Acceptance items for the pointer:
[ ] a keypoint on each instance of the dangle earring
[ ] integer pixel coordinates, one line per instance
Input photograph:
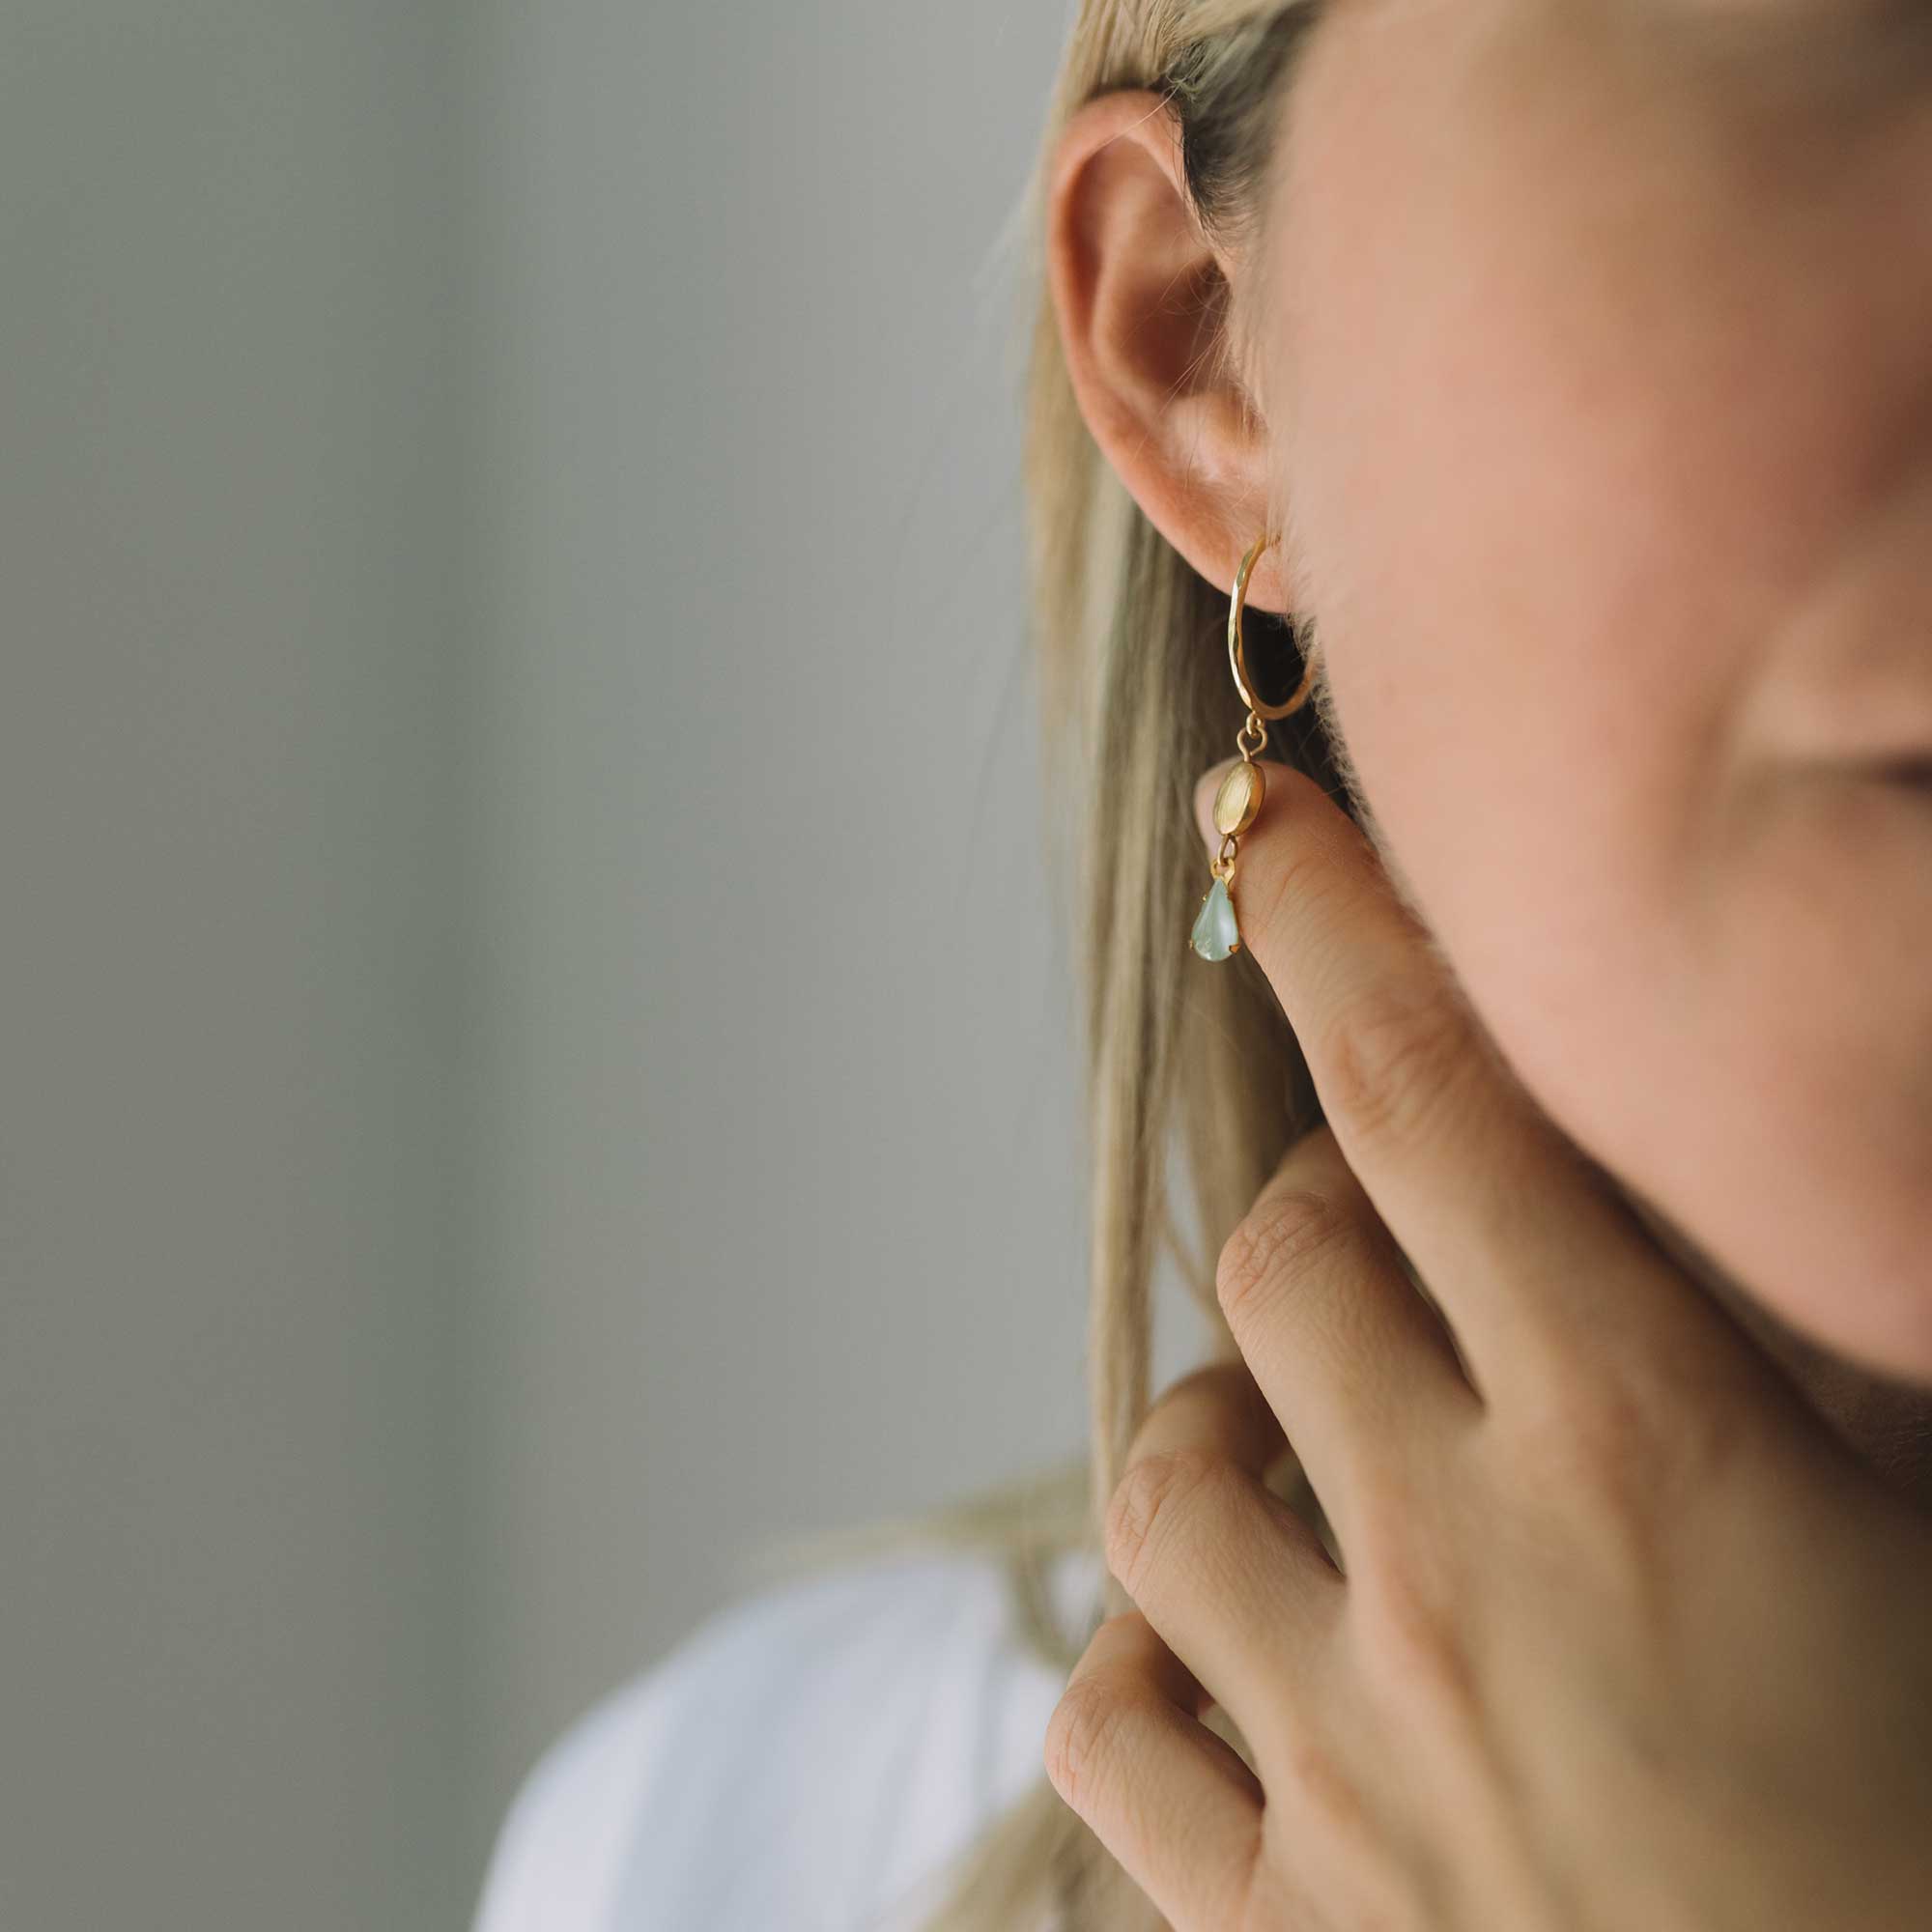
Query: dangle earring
(1217, 933)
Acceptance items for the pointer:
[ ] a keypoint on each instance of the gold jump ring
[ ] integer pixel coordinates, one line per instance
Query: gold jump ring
(1236, 658)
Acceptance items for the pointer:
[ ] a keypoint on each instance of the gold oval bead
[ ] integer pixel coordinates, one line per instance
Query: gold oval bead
(1238, 798)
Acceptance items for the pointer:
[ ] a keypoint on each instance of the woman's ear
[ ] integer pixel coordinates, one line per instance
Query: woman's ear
(1142, 298)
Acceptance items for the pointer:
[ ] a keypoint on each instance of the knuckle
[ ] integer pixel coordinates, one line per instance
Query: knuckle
(1142, 1508)
(1082, 1732)
(1325, 1792)
(1597, 1439)
(1611, 1429)
(1413, 1640)
(1284, 1230)
(1608, 1499)
(1635, 1460)
(1394, 1058)
(1726, 1434)
(1386, 1505)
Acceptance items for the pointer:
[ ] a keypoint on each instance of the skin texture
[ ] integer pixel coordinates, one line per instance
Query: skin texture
(1592, 391)
(1616, 1633)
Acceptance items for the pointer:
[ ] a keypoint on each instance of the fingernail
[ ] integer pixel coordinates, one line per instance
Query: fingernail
(1205, 788)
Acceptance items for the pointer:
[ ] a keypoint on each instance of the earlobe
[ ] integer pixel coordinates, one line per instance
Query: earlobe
(1142, 296)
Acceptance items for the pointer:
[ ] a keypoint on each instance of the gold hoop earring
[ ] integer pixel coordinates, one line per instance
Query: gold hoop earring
(1218, 932)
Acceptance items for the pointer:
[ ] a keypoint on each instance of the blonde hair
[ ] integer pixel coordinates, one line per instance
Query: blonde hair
(1136, 702)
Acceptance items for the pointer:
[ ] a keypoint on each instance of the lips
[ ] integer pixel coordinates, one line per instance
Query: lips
(1864, 696)
(1853, 688)
(1915, 771)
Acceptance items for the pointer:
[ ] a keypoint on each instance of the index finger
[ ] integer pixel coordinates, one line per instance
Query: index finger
(1533, 1259)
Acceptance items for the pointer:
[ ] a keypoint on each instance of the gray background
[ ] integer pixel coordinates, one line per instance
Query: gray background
(534, 1053)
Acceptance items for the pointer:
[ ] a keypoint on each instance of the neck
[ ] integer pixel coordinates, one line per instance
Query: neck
(1884, 1422)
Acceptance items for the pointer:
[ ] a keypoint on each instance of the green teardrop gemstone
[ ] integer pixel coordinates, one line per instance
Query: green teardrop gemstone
(1215, 933)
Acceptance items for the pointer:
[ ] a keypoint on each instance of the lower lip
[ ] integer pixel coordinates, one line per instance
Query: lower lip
(1870, 800)
(1845, 850)
(1911, 780)
(1837, 858)
(1907, 768)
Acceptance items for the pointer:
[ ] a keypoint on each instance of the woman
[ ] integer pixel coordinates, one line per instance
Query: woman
(1562, 1120)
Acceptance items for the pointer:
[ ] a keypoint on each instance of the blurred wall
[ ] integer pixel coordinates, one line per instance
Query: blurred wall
(781, 1222)
(534, 1052)
(231, 1338)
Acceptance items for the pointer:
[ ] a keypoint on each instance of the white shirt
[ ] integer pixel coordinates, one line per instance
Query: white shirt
(805, 1760)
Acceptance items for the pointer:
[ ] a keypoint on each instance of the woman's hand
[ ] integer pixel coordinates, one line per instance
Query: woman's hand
(1621, 1635)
